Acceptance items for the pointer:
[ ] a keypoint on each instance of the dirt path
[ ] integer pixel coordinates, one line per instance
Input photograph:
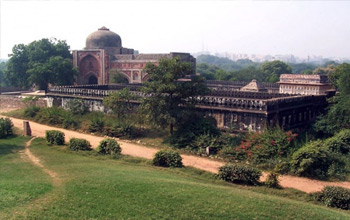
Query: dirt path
(303, 184)
(36, 161)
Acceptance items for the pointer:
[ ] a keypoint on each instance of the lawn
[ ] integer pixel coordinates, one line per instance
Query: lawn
(99, 187)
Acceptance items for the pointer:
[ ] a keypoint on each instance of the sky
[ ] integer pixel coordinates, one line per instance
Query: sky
(300, 28)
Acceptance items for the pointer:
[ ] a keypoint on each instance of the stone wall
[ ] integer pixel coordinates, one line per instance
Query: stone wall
(15, 101)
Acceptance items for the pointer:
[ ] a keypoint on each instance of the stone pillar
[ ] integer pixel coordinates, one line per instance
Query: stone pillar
(26, 129)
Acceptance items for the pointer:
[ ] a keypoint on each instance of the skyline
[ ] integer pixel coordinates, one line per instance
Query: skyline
(275, 27)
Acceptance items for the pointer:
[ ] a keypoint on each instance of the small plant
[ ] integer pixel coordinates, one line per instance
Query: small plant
(77, 106)
(5, 127)
(54, 137)
(334, 196)
(240, 174)
(96, 124)
(272, 181)
(109, 146)
(79, 144)
(167, 158)
(31, 111)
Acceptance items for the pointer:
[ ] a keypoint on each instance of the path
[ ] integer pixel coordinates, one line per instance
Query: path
(36, 161)
(303, 184)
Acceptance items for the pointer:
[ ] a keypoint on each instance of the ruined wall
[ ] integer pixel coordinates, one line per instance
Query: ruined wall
(15, 102)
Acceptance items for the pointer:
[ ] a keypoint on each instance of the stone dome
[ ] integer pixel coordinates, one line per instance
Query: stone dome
(103, 38)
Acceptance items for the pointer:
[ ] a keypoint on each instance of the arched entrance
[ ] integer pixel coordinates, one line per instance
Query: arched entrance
(92, 80)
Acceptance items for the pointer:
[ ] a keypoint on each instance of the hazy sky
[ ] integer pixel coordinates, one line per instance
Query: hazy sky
(261, 27)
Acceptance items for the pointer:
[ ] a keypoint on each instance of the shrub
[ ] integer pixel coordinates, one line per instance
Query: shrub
(54, 137)
(241, 174)
(340, 142)
(314, 160)
(334, 196)
(167, 158)
(282, 168)
(31, 111)
(5, 127)
(109, 146)
(52, 116)
(96, 124)
(69, 121)
(77, 106)
(79, 144)
(272, 181)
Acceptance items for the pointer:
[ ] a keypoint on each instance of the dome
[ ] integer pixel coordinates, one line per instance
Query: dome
(103, 38)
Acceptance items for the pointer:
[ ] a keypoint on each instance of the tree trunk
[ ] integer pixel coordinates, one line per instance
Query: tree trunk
(171, 128)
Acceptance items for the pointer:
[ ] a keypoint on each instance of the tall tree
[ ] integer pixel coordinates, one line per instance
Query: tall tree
(338, 115)
(169, 97)
(272, 70)
(40, 63)
(3, 81)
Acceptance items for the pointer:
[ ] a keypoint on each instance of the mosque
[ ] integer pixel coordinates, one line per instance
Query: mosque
(104, 56)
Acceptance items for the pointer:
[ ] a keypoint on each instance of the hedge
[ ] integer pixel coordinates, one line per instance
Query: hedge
(79, 144)
(54, 137)
(167, 158)
(109, 146)
(240, 174)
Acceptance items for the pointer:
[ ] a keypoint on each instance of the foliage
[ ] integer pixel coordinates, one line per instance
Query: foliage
(119, 102)
(52, 115)
(167, 97)
(272, 70)
(123, 128)
(77, 106)
(167, 158)
(334, 196)
(340, 142)
(3, 81)
(191, 128)
(117, 77)
(109, 146)
(272, 180)
(77, 144)
(5, 127)
(97, 124)
(69, 121)
(54, 137)
(41, 62)
(271, 144)
(240, 174)
(31, 111)
(316, 161)
(338, 115)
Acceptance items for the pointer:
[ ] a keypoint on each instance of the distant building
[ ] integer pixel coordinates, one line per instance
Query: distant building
(304, 84)
(104, 55)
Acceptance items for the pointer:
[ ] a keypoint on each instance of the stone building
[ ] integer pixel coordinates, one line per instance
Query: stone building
(104, 55)
(304, 84)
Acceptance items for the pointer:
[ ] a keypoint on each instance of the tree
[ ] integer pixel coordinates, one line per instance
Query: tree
(40, 63)
(338, 115)
(272, 70)
(119, 102)
(3, 81)
(168, 98)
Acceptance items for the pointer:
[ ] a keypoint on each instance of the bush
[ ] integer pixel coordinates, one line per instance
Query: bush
(282, 168)
(109, 146)
(69, 121)
(340, 142)
(79, 144)
(52, 116)
(272, 181)
(31, 111)
(167, 158)
(334, 196)
(77, 106)
(54, 137)
(97, 124)
(5, 127)
(240, 174)
(315, 160)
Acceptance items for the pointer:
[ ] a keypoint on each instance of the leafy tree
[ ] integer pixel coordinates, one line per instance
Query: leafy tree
(3, 81)
(272, 70)
(40, 63)
(168, 97)
(119, 102)
(116, 77)
(338, 115)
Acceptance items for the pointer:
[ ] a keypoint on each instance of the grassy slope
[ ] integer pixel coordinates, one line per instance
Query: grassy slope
(99, 188)
(20, 181)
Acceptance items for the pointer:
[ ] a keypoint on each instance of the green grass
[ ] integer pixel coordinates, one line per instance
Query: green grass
(20, 181)
(98, 187)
